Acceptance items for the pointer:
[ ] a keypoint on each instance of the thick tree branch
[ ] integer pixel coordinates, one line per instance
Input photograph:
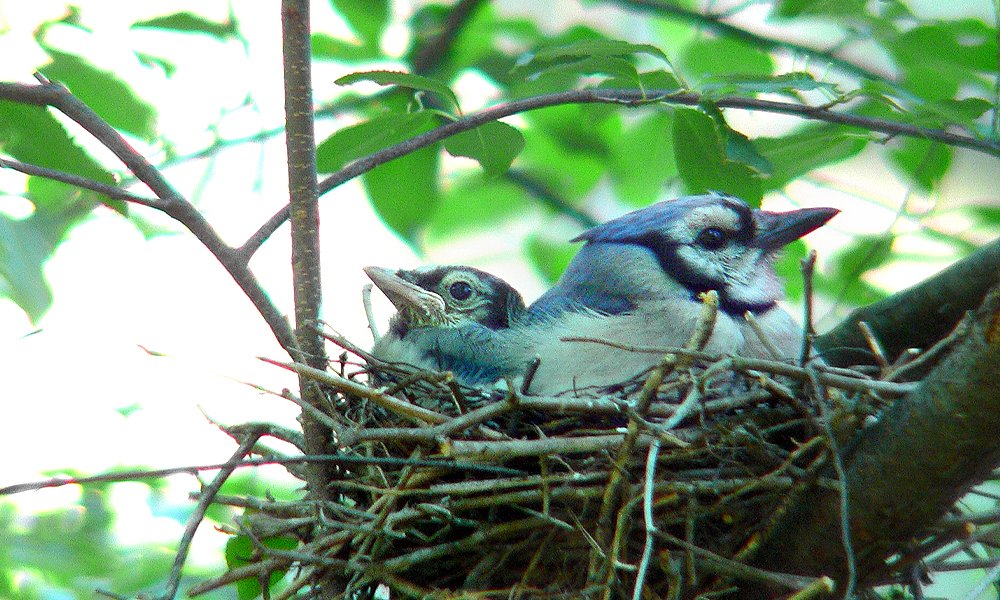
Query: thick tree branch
(907, 470)
(302, 190)
(169, 200)
(627, 98)
(936, 304)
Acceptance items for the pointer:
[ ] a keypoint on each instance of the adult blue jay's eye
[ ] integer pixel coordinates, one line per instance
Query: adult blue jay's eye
(460, 290)
(711, 238)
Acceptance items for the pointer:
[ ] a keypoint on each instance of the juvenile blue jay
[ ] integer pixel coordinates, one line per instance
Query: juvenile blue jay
(636, 282)
(451, 318)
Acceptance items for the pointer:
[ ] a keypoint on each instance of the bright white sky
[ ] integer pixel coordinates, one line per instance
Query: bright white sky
(115, 293)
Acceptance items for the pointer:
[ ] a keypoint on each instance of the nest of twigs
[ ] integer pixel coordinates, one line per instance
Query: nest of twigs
(660, 487)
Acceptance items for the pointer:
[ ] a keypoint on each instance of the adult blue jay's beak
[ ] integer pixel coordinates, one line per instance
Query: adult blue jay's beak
(775, 230)
(419, 305)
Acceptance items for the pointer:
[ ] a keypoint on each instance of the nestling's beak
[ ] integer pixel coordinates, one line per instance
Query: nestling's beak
(777, 229)
(412, 301)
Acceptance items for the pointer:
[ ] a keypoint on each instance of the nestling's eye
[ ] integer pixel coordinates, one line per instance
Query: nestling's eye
(460, 290)
(711, 238)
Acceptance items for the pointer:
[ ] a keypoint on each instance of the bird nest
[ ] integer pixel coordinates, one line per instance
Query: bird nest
(662, 486)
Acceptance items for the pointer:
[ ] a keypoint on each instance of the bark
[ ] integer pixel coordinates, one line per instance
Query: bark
(918, 316)
(905, 471)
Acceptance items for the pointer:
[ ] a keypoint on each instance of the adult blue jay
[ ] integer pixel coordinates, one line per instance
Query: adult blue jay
(451, 318)
(636, 282)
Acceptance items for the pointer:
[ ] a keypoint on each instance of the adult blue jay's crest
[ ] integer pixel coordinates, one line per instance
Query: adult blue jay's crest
(450, 318)
(637, 278)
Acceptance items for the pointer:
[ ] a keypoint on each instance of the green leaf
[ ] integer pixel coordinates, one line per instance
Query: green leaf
(713, 57)
(186, 22)
(789, 269)
(404, 192)
(806, 149)
(326, 47)
(963, 112)
(702, 162)
(549, 258)
(738, 147)
(25, 246)
(797, 8)
(597, 48)
(240, 551)
(367, 18)
(587, 57)
(860, 255)
(494, 145)
(359, 140)
(32, 135)
(937, 59)
(408, 80)
(476, 203)
(643, 160)
(718, 86)
(110, 97)
(924, 162)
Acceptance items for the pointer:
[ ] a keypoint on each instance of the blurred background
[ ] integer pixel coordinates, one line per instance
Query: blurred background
(123, 342)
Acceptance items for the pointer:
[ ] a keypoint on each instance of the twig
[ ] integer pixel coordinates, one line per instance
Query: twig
(627, 98)
(647, 513)
(808, 267)
(838, 466)
(960, 330)
(254, 462)
(111, 191)
(875, 346)
(169, 200)
(207, 495)
(984, 583)
(731, 568)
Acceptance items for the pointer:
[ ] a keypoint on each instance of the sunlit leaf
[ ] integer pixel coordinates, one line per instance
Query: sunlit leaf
(365, 138)
(702, 163)
(404, 192)
(109, 96)
(494, 145)
(367, 18)
(712, 57)
(327, 47)
(409, 80)
(549, 258)
(643, 160)
(786, 83)
(187, 22)
(924, 162)
(806, 149)
(25, 246)
(597, 47)
(240, 551)
(474, 204)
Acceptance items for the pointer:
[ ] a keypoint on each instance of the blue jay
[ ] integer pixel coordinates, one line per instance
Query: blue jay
(451, 318)
(636, 282)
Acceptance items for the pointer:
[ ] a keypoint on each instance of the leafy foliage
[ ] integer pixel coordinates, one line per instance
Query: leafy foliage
(590, 159)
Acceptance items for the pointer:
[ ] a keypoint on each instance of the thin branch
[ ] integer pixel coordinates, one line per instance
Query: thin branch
(111, 191)
(428, 56)
(170, 201)
(139, 475)
(631, 98)
(207, 495)
(715, 24)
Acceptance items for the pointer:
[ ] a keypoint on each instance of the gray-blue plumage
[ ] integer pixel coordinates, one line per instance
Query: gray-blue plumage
(636, 282)
(450, 318)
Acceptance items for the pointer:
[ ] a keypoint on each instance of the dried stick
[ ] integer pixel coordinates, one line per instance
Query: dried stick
(207, 495)
(647, 513)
